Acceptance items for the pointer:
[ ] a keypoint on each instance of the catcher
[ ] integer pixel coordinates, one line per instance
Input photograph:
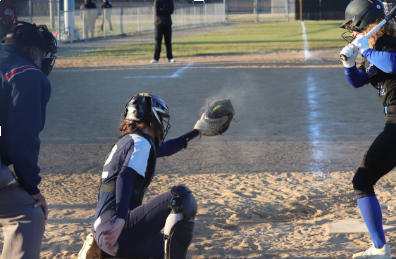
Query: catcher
(123, 226)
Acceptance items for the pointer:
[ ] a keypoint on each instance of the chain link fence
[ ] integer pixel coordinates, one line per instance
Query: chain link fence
(93, 23)
(131, 16)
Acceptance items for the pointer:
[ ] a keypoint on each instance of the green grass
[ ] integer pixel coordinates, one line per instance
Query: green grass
(254, 38)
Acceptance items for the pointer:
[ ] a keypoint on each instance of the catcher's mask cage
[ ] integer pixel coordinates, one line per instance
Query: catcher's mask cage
(151, 110)
(25, 34)
(387, 5)
(361, 13)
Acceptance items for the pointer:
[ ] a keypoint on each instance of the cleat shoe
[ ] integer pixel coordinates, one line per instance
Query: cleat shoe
(90, 249)
(154, 61)
(374, 253)
(172, 60)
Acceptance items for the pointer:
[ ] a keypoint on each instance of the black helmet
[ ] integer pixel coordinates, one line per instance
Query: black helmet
(151, 110)
(362, 13)
(28, 35)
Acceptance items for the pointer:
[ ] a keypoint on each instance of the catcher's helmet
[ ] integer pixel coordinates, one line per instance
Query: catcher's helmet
(151, 110)
(28, 35)
(361, 13)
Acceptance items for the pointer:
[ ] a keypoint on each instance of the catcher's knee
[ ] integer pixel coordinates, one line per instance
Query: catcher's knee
(183, 202)
(362, 184)
(179, 226)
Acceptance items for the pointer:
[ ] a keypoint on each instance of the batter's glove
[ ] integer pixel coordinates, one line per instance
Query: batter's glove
(216, 119)
(351, 53)
(362, 43)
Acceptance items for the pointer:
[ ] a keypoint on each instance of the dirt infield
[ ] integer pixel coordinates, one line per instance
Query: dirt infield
(266, 189)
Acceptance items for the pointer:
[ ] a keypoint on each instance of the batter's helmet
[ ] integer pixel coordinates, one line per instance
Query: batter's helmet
(151, 110)
(361, 13)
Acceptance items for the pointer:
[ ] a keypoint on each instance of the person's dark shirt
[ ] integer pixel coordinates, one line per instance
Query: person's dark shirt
(90, 5)
(163, 10)
(106, 5)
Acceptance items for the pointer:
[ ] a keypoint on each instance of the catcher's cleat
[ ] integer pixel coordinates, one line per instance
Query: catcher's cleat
(90, 249)
(375, 253)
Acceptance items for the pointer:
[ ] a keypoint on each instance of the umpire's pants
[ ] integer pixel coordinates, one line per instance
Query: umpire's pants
(166, 30)
(23, 225)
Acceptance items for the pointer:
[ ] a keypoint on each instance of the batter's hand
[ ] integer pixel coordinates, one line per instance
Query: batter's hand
(362, 43)
(114, 233)
(350, 52)
(41, 202)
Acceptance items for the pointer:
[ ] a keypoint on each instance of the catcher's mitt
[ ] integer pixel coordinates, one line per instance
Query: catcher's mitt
(216, 119)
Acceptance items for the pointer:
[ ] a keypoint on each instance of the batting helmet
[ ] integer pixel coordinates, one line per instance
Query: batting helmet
(151, 110)
(361, 13)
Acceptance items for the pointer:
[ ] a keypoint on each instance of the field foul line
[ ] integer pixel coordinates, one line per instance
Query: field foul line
(306, 48)
(174, 75)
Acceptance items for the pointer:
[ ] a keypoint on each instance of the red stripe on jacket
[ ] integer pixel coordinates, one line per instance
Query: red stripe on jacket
(19, 70)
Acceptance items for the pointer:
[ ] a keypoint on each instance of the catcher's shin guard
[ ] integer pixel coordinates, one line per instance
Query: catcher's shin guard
(179, 226)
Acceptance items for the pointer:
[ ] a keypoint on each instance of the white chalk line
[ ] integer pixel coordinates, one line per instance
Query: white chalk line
(306, 48)
(177, 74)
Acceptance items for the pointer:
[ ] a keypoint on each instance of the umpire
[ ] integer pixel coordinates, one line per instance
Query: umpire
(163, 26)
(26, 59)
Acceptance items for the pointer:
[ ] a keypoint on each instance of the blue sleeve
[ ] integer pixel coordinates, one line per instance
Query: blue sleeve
(124, 188)
(356, 77)
(26, 118)
(386, 61)
(171, 147)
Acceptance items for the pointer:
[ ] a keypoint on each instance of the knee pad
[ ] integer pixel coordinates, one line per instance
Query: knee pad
(179, 226)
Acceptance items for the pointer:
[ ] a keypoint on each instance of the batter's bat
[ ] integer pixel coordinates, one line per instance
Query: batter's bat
(390, 15)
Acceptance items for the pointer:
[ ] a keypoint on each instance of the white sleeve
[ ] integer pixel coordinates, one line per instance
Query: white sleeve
(140, 155)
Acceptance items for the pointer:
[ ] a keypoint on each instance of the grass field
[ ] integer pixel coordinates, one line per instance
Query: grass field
(253, 38)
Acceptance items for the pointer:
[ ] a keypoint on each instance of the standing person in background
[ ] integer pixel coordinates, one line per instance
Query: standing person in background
(163, 26)
(89, 17)
(7, 18)
(26, 59)
(107, 13)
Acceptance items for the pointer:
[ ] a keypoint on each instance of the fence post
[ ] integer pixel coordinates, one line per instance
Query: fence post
(205, 13)
(83, 18)
(104, 21)
(225, 10)
(256, 10)
(121, 14)
(31, 11)
(59, 23)
(287, 10)
(215, 11)
(195, 15)
(182, 16)
(138, 9)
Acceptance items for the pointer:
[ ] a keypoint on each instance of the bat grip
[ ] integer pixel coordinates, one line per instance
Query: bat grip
(343, 57)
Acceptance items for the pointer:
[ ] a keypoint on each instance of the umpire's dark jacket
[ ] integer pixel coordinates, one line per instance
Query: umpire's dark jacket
(24, 94)
(163, 10)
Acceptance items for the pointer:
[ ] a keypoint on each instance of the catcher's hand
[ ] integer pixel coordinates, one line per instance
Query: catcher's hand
(216, 119)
